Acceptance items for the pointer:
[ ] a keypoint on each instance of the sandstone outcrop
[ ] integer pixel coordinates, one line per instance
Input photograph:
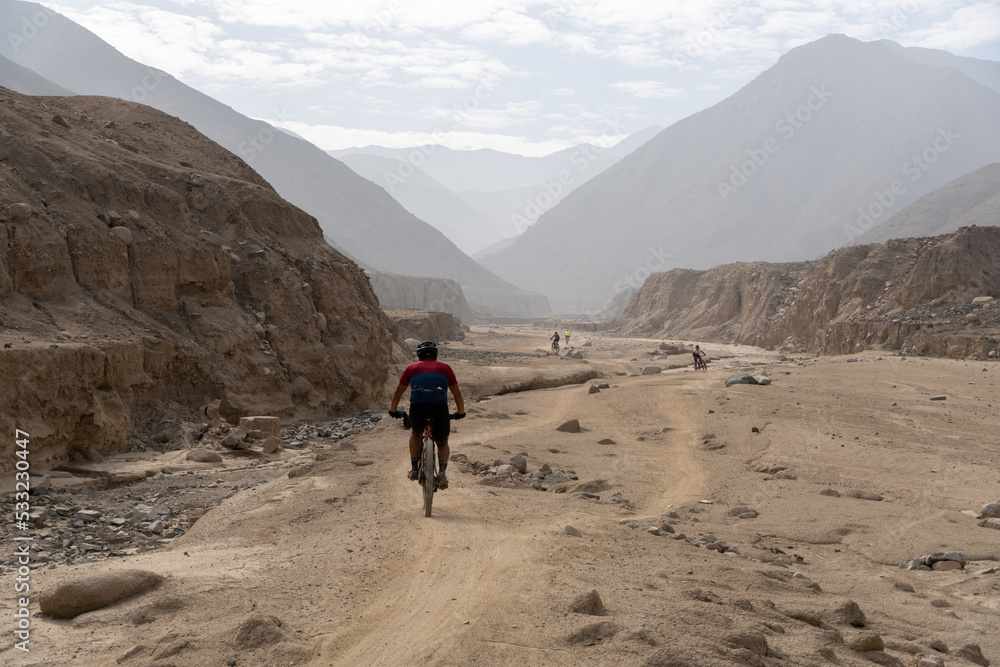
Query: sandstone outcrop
(105, 332)
(397, 292)
(426, 325)
(912, 295)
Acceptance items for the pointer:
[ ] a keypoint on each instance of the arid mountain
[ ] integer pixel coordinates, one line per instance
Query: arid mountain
(359, 217)
(147, 271)
(397, 292)
(23, 80)
(914, 294)
(483, 196)
(973, 199)
(793, 165)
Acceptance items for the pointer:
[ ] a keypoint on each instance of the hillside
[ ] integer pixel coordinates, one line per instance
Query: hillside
(24, 81)
(778, 172)
(914, 295)
(973, 199)
(148, 271)
(360, 217)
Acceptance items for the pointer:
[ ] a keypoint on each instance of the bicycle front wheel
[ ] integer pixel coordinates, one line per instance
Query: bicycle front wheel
(430, 477)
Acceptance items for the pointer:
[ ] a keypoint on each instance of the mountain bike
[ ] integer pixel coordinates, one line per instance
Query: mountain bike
(700, 364)
(428, 469)
(555, 346)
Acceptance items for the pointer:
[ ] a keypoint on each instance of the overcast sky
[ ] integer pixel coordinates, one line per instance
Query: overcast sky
(525, 76)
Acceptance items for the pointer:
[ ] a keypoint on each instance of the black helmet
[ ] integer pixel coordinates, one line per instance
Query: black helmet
(427, 350)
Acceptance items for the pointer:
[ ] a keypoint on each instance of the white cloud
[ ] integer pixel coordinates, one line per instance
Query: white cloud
(648, 90)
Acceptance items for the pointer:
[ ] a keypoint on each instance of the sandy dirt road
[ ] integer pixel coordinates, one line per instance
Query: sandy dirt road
(335, 564)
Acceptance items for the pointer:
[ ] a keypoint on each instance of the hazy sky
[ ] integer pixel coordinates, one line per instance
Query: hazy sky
(522, 76)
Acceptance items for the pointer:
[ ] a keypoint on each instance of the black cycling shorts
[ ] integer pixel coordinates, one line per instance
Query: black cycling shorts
(438, 417)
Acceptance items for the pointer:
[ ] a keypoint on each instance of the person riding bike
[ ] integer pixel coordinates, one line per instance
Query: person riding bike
(429, 381)
(699, 358)
(555, 340)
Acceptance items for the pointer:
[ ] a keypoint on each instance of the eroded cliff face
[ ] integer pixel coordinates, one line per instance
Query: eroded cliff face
(914, 295)
(146, 272)
(396, 292)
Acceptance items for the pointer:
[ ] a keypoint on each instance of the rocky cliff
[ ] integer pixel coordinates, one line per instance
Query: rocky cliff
(918, 295)
(396, 292)
(147, 271)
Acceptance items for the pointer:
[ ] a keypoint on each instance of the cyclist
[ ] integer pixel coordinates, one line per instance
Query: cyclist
(555, 340)
(429, 381)
(699, 358)
(567, 337)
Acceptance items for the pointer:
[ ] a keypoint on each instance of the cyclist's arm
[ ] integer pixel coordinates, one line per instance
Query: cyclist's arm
(459, 402)
(400, 390)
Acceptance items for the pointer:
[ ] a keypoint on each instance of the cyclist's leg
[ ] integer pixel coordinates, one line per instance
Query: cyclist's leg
(441, 429)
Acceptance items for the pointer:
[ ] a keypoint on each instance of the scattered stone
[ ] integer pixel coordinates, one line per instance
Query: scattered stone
(939, 398)
(740, 378)
(990, 523)
(123, 233)
(833, 493)
(991, 511)
(850, 614)
(271, 445)
(762, 379)
(752, 641)
(903, 586)
(588, 603)
(269, 425)
(204, 456)
(574, 354)
(96, 592)
(972, 653)
(571, 531)
(20, 212)
(518, 463)
(865, 495)
(570, 426)
(651, 370)
(592, 634)
(606, 441)
(259, 631)
(868, 642)
(92, 455)
(61, 122)
(135, 650)
(593, 390)
(923, 660)
(972, 318)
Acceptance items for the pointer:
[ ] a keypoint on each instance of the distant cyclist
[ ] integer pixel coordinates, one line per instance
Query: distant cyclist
(567, 337)
(429, 381)
(555, 341)
(699, 358)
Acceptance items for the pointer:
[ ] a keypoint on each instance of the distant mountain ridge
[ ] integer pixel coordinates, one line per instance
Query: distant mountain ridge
(973, 199)
(780, 170)
(361, 218)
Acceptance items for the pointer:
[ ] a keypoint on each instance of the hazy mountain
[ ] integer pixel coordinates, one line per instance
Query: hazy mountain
(471, 230)
(358, 216)
(985, 72)
(837, 136)
(510, 192)
(972, 200)
(24, 81)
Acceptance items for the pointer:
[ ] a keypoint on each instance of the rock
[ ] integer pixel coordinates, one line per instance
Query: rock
(942, 397)
(865, 495)
(271, 445)
(972, 653)
(20, 212)
(593, 390)
(868, 642)
(954, 556)
(592, 634)
(938, 645)
(850, 614)
(740, 378)
(588, 603)
(651, 370)
(69, 600)
(211, 411)
(833, 493)
(204, 456)
(762, 379)
(135, 650)
(972, 318)
(518, 463)
(92, 456)
(61, 122)
(587, 344)
(124, 233)
(990, 523)
(88, 516)
(259, 631)
(752, 641)
(923, 660)
(571, 531)
(574, 354)
(269, 425)
(570, 426)
(468, 341)
(981, 300)
(300, 386)
(558, 477)
(665, 527)
(606, 441)
(785, 474)
(991, 511)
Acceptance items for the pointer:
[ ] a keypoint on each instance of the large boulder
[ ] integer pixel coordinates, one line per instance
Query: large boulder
(740, 378)
(95, 592)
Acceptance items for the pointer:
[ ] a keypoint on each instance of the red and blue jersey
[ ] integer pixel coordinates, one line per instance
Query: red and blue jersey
(429, 381)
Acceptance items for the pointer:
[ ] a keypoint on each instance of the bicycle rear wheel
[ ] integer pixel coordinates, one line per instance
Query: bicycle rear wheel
(429, 473)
